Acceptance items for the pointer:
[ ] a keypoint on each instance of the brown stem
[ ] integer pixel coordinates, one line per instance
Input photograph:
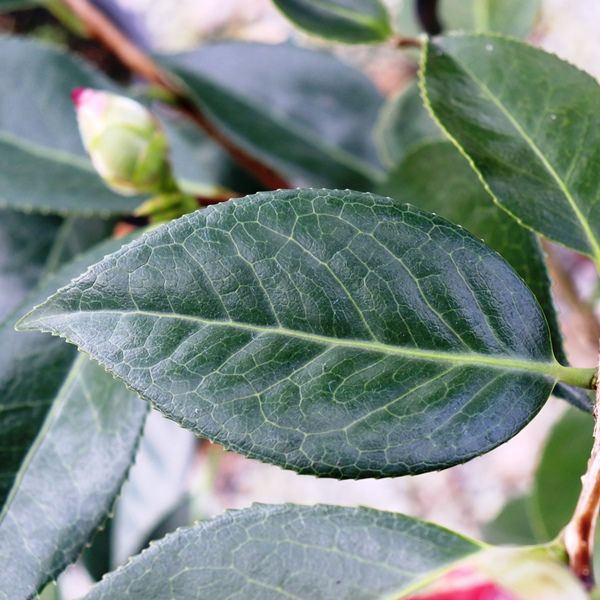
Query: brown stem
(131, 56)
(579, 533)
(400, 41)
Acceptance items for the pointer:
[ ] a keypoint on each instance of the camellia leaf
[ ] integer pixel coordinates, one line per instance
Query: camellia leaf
(69, 432)
(335, 333)
(510, 17)
(25, 242)
(292, 552)
(557, 480)
(350, 21)
(435, 177)
(527, 122)
(69, 478)
(404, 123)
(512, 525)
(303, 112)
(24, 398)
(44, 167)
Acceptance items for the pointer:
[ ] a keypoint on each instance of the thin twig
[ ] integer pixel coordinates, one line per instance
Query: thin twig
(579, 533)
(400, 41)
(100, 27)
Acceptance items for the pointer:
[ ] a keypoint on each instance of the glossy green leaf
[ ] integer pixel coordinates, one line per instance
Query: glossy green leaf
(69, 432)
(558, 477)
(44, 167)
(511, 17)
(403, 124)
(303, 112)
(436, 178)
(271, 552)
(351, 21)
(335, 333)
(528, 123)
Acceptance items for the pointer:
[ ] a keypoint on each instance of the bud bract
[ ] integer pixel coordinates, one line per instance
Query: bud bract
(125, 142)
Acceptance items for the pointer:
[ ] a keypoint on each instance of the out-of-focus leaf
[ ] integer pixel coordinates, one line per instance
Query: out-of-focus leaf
(44, 167)
(558, 477)
(155, 486)
(512, 525)
(511, 17)
(25, 243)
(199, 163)
(332, 332)
(271, 552)
(350, 21)
(403, 124)
(58, 418)
(529, 125)
(302, 111)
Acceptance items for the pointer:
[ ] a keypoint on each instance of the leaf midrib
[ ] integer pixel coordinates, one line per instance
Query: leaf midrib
(550, 368)
(594, 244)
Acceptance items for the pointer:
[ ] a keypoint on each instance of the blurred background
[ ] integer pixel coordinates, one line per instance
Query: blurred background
(176, 479)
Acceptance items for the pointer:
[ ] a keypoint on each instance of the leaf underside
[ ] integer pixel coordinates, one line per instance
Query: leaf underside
(334, 333)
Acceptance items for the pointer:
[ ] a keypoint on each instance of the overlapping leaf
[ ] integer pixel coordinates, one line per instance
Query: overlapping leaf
(44, 167)
(25, 242)
(403, 124)
(557, 481)
(303, 112)
(351, 21)
(435, 177)
(292, 552)
(68, 433)
(528, 123)
(334, 333)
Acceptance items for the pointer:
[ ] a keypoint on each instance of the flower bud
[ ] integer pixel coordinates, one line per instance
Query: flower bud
(127, 146)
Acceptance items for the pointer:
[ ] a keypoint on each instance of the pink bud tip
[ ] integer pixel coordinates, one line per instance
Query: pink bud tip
(482, 591)
(76, 95)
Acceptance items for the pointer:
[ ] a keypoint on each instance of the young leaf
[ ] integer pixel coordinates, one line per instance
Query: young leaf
(350, 21)
(527, 122)
(331, 332)
(69, 431)
(303, 112)
(292, 552)
(44, 167)
(435, 177)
